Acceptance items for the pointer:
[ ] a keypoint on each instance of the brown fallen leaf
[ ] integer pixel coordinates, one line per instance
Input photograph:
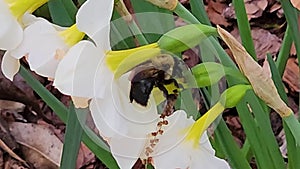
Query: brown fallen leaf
(11, 153)
(11, 105)
(291, 75)
(264, 42)
(215, 13)
(254, 9)
(84, 157)
(38, 138)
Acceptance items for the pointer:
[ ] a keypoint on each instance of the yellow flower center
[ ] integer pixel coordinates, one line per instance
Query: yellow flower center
(19, 7)
(122, 61)
(72, 35)
(198, 128)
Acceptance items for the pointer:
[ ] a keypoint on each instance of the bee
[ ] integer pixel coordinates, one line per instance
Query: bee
(155, 73)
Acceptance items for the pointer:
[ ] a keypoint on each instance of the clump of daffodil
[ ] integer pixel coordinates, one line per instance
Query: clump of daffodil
(118, 121)
(229, 98)
(174, 41)
(44, 45)
(11, 12)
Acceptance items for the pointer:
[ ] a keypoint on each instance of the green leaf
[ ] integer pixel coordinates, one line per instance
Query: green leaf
(72, 140)
(160, 20)
(198, 9)
(284, 52)
(59, 13)
(258, 130)
(120, 34)
(71, 8)
(229, 147)
(290, 124)
(187, 103)
(244, 27)
(293, 149)
(294, 126)
(277, 79)
(291, 15)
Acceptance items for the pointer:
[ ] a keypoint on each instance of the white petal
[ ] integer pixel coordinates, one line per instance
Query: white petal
(175, 158)
(42, 44)
(93, 15)
(205, 157)
(11, 32)
(174, 133)
(10, 66)
(101, 38)
(79, 71)
(28, 19)
(126, 150)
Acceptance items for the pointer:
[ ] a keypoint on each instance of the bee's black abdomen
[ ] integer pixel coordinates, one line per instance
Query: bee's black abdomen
(140, 90)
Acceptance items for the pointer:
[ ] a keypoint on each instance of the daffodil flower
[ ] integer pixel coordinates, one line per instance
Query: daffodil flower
(172, 150)
(82, 73)
(138, 129)
(122, 124)
(45, 44)
(11, 13)
(119, 122)
(11, 30)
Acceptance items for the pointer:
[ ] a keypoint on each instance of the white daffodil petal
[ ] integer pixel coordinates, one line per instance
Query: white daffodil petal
(10, 66)
(205, 157)
(11, 32)
(78, 70)
(43, 47)
(174, 132)
(126, 150)
(94, 15)
(169, 147)
(175, 158)
(29, 19)
(101, 38)
(105, 117)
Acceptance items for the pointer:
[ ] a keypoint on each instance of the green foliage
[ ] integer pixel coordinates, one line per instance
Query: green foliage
(253, 112)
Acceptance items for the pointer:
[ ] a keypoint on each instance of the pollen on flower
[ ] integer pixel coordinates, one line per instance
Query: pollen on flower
(59, 54)
(154, 134)
(160, 132)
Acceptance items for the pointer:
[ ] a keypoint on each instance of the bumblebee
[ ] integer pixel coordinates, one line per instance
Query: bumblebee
(155, 73)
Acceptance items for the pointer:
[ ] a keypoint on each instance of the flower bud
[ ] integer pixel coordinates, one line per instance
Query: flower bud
(261, 82)
(207, 74)
(232, 96)
(185, 37)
